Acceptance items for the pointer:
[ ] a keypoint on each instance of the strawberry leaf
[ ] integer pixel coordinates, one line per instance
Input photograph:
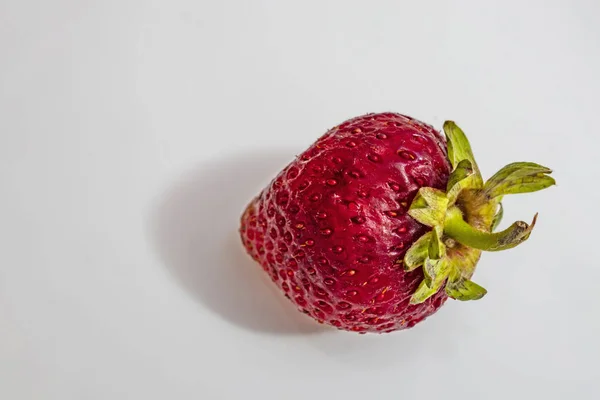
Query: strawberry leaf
(429, 207)
(440, 270)
(422, 293)
(463, 289)
(458, 180)
(429, 271)
(418, 252)
(519, 177)
(436, 248)
(459, 149)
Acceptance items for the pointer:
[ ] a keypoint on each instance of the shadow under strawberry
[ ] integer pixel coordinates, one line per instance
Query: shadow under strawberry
(195, 231)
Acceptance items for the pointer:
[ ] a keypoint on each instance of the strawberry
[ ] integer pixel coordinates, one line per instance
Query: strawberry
(376, 224)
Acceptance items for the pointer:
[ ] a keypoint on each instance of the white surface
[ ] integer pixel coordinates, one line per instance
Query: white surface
(132, 133)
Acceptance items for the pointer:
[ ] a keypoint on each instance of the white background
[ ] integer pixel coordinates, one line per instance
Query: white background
(132, 134)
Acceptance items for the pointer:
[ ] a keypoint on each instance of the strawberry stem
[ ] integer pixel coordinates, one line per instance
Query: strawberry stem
(458, 229)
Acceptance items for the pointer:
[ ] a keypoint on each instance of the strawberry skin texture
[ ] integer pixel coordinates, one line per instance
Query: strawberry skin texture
(332, 228)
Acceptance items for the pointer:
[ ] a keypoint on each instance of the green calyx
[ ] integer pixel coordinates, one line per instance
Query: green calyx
(464, 218)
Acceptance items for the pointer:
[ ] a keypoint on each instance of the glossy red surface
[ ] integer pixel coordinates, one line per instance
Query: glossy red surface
(332, 228)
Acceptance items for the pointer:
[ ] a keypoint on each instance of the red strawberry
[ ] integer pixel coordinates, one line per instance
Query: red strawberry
(379, 221)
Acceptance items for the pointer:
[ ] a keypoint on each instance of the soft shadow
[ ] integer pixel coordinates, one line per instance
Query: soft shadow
(195, 231)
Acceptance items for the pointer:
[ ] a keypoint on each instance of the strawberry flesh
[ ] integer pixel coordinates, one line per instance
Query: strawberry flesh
(332, 228)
